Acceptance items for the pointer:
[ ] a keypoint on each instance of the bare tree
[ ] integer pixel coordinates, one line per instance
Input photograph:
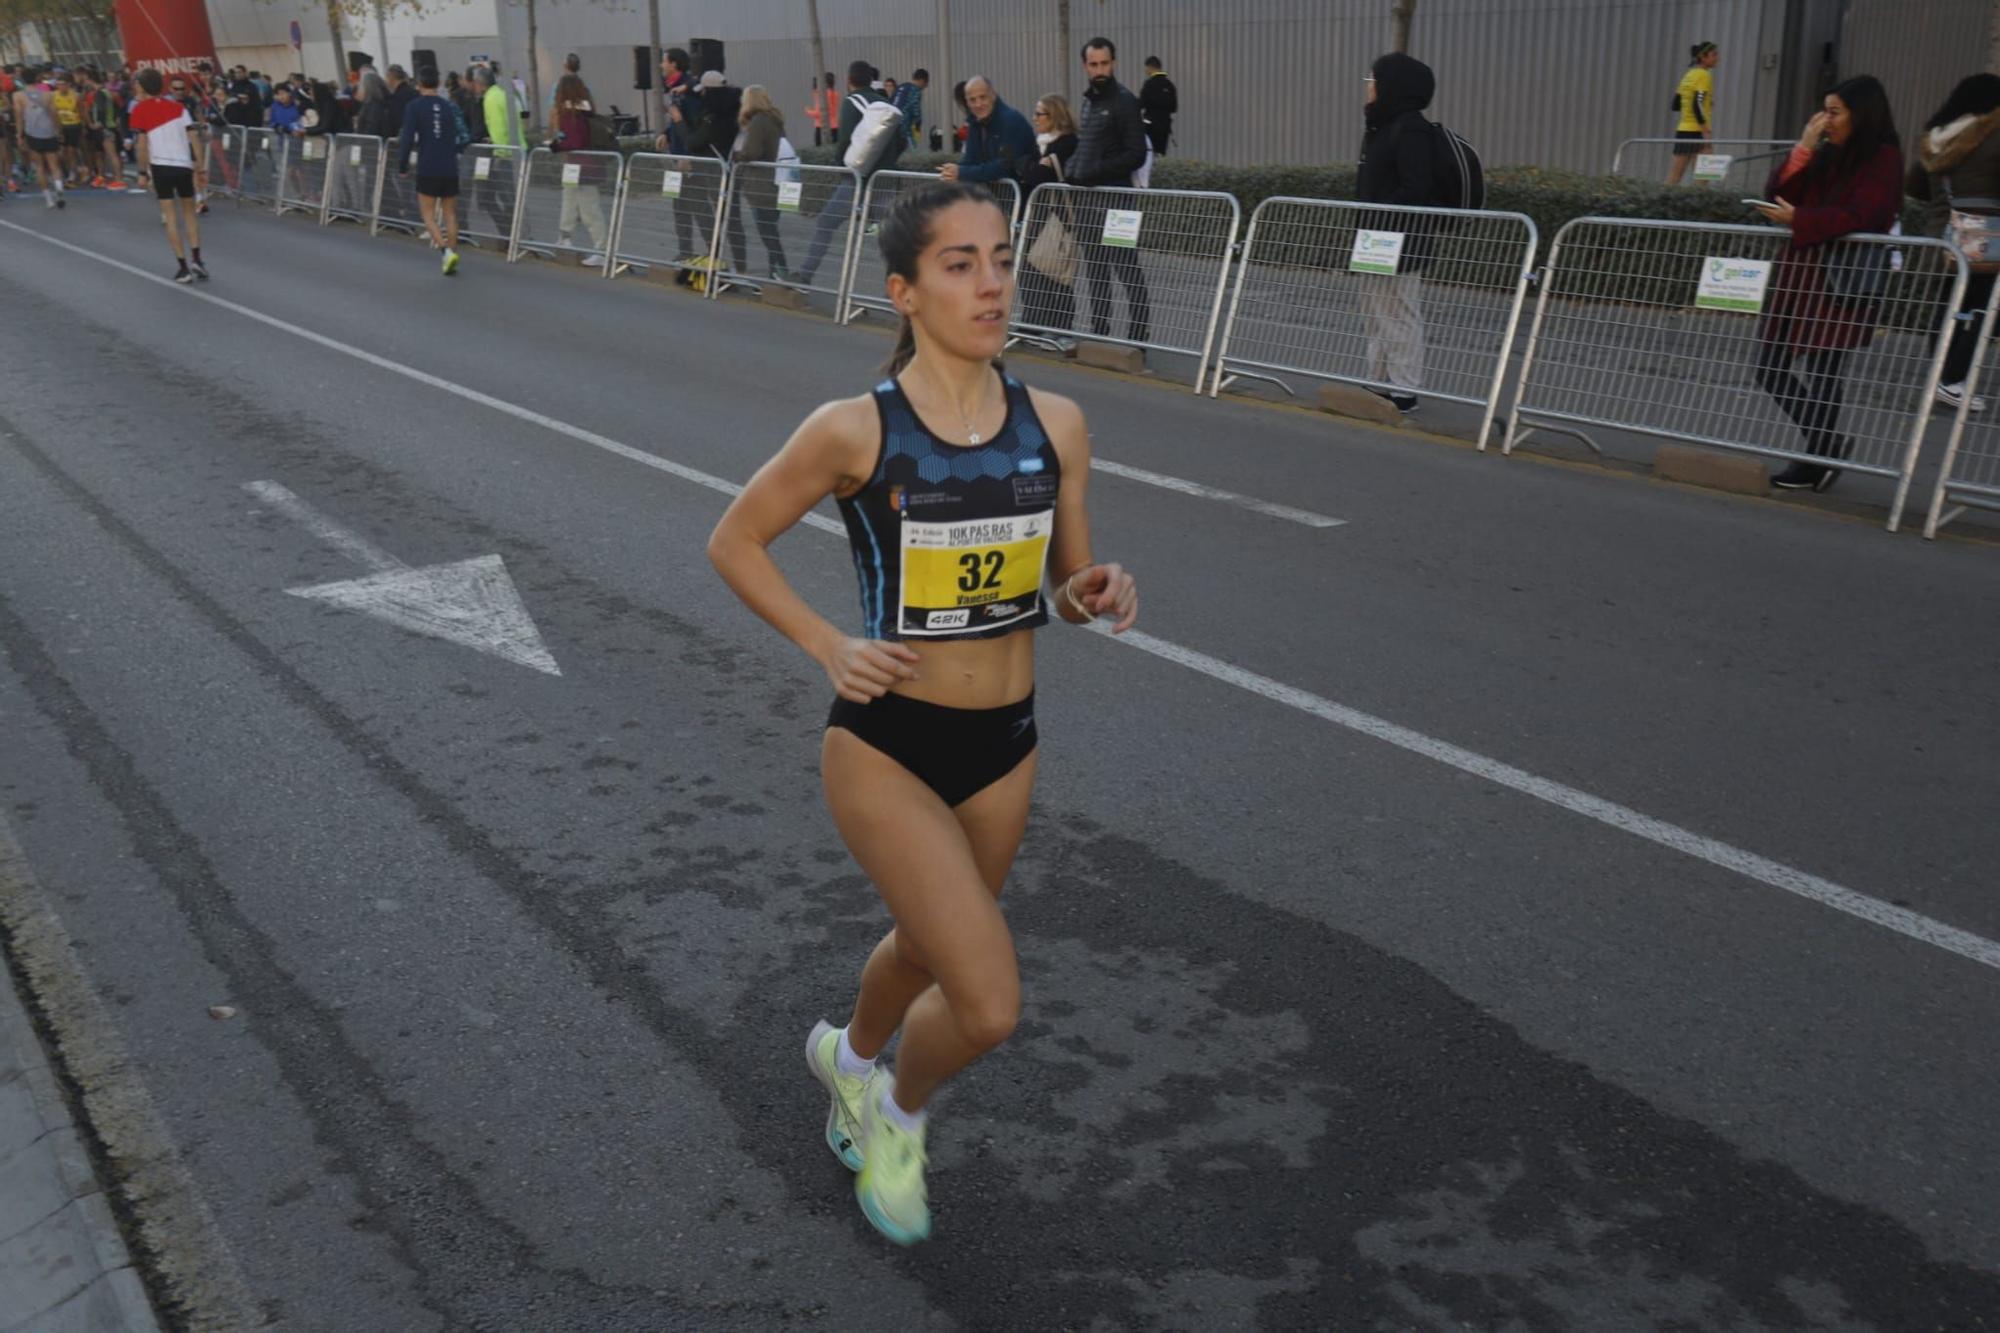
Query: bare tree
(336, 24)
(656, 106)
(1400, 14)
(819, 46)
(1068, 56)
(534, 67)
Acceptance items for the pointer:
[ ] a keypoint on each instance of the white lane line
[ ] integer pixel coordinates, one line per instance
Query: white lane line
(1777, 875)
(1929, 930)
(578, 433)
(351, 544)
(714, 483)
(1195, 488)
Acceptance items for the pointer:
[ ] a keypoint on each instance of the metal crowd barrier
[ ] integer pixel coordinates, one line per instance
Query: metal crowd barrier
(1167, 251)
(669, 214)
(259, 167)
(867, 275)
(1748, 161)
(1723, 335)
(396, 207)
(222, 159)
(564, 194)
(353, 178)
(1969, 477)
(1415, 300)
(302, 188)
(804, 218)
(489, 195)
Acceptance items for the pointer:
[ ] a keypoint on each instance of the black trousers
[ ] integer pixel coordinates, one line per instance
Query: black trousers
(1099, 261)
(767, 231)
(495, 194)
(1811, 398)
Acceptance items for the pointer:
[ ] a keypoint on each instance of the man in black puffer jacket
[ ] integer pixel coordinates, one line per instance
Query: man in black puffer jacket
(1110, 146)
(1398, 166)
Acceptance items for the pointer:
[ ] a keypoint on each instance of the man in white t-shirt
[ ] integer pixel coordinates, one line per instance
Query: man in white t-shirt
(166, 157)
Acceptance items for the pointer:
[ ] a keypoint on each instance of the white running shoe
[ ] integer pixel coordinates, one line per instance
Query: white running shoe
(1951, 395)
(593, 261)
(843, 1116)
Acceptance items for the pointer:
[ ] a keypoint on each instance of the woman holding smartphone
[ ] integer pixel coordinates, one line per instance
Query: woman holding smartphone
(1844, 176)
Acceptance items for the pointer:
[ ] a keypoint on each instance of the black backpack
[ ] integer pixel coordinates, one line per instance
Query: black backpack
(1460, 175)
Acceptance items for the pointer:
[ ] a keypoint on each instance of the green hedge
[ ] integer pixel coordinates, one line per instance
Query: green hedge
(1549, 197)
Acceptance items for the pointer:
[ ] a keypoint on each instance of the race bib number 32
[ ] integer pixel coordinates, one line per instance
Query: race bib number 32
(972, 575)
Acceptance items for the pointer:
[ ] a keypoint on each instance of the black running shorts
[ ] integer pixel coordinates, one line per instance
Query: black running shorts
(44, 145)
(438, 187)
(1689, 143)
(956, 752)
(173, 182)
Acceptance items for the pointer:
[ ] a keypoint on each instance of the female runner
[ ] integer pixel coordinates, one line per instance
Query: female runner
(963, 492)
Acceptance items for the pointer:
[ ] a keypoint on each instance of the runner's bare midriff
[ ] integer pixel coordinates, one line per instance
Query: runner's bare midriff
(973, 673)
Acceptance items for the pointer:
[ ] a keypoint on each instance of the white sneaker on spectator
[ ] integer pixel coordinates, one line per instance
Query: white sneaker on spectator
(1951, 395)
(593, 261)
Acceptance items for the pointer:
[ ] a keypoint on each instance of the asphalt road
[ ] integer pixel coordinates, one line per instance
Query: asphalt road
(1321, 1031)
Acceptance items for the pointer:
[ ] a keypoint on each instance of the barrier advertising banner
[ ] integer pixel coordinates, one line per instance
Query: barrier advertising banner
(171, 36)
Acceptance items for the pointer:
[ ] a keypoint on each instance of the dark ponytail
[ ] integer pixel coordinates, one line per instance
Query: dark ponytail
(906, 232)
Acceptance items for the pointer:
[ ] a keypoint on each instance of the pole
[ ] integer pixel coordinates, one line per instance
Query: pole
(1993, 41)
(382, 34)
(656, 105)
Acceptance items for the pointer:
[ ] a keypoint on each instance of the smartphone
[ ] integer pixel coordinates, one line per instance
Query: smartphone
(1756, 203)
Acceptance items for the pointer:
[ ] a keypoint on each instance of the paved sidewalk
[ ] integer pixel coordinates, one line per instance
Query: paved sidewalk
(63, 1262)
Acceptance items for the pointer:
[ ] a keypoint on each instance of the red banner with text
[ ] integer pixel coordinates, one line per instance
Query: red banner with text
(171, 36)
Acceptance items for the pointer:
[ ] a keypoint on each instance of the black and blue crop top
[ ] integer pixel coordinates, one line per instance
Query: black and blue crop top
(951, 541)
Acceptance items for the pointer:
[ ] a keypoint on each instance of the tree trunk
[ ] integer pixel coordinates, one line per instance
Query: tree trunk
(656, 106)
(1069, 57)
(819, 47)
(534, 107)
(1399, 24)
(946, 71)
(334, 23)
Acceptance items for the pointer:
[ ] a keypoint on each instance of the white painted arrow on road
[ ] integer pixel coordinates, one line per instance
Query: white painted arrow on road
(470, 602)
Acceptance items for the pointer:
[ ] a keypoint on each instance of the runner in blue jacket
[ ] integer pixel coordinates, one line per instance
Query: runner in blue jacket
(433, 126)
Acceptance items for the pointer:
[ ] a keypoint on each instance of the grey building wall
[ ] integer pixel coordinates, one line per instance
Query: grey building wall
(1554, 83)
(1918, 50)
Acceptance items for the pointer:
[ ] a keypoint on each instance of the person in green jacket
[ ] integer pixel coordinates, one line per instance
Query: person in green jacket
(494, 196)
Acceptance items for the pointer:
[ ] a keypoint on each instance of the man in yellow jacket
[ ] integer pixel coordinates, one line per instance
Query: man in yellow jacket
(494, 196)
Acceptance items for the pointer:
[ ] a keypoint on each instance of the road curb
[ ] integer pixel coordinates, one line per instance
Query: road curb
(188, 1262)
(63, 1261)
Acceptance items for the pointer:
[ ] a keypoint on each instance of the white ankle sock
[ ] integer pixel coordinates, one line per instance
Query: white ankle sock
(911, 1121)
(847, 1062)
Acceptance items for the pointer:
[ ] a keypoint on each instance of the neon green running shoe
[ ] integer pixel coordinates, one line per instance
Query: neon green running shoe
(450, 262)
(843, 1117)
(890, 1187)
